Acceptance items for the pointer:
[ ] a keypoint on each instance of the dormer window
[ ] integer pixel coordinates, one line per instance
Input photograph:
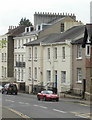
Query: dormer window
(62, 27)
(29, 29)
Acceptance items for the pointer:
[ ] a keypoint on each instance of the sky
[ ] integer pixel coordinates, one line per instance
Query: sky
(11, 11)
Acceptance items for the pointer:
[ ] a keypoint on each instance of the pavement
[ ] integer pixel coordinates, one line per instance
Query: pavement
(75, 99)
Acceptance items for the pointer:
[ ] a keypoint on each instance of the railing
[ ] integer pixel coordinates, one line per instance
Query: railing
(20, 64)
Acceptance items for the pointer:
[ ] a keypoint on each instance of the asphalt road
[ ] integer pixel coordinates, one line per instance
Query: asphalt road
(29, 106)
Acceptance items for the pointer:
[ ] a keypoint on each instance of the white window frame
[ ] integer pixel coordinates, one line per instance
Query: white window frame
(35, 73)
(22, 74)
(63, 53)
(29, 73)
(35, 53)
(88, 50)
(48, 75)
(55, 53)
(79, 75)
(30, 53)
(79, 52)
(48, 51)
(63, 76)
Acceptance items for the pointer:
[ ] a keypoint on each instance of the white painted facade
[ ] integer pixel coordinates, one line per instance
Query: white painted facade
(19, 56)
(49, 65)
(3, 59)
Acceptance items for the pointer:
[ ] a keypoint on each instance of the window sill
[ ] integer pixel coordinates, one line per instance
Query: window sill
(79, 82)
(80, 58)
(30, 60)
(35, 60)
(55, 60)
(63, 60)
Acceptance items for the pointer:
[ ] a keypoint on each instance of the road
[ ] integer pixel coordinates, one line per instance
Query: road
(29, 106)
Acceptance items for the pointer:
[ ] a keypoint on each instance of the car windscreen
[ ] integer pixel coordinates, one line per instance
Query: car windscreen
(47, 92)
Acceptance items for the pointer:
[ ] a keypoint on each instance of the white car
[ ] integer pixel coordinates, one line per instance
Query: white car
(1, 88)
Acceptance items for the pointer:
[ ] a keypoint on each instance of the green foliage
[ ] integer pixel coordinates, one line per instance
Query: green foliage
(25, 21)
(3, 43)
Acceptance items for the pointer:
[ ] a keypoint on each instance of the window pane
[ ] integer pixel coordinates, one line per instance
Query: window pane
(63, 76)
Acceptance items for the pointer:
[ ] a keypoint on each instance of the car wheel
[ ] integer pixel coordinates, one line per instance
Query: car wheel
(16, 93)
(44, 98)
(6, 92)
(38, 97)
(57, 99)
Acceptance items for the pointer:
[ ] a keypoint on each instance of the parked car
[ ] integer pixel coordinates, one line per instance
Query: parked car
(10, 88)
(47, 95)
(1, 87)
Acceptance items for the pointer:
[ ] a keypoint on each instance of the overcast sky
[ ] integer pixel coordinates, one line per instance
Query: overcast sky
(11, 11)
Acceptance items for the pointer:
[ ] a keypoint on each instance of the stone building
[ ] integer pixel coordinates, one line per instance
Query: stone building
(7, 54)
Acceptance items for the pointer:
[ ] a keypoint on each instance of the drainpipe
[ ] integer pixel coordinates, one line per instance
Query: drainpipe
(91, 73)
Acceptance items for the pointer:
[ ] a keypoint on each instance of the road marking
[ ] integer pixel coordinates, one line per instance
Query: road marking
(27, 103)
(21, 102)
(59, 111)
(9, 100)
(18, 113)
(84, 104)
(40, 106)
(82, 116)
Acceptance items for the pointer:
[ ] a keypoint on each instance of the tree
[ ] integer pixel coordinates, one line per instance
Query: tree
(25, 21)
(3, 43)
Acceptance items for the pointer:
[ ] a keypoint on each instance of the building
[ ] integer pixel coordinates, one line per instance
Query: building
(47, 17)
(51, 66)
(7, 54)
(19, 55)
(91, 12)
(81, 82)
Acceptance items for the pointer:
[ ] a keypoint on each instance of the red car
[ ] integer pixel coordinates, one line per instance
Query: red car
(47, 95)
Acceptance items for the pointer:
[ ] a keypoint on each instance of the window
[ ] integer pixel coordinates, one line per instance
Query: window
(2, 57)
(48, 53)
(63, 76)
(55, 82)
(2, 71)
(55, 51)
(63, 53)
(15, 75)
(22, 72)
(62, 27)
(19, 58)
(48, 75)
(35, 73)
(22, 43)
(5, 72)
(29, 73)
(35, 53)
(79, 75)
(22, 58)
(19, 75)
(88, 50)
(29, 53)
(79, 51)
(18, 43)
(5, 57)
(15, 58)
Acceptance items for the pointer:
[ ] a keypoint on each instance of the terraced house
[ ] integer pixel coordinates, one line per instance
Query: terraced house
(43, 25)
(51, 67)
(7, 54)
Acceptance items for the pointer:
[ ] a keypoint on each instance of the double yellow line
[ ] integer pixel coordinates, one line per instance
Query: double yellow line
(18, 113)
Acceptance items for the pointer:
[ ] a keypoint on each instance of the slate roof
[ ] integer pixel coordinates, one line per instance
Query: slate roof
(70, 34)
(78, 41)
(89, 30)
(16, 31)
